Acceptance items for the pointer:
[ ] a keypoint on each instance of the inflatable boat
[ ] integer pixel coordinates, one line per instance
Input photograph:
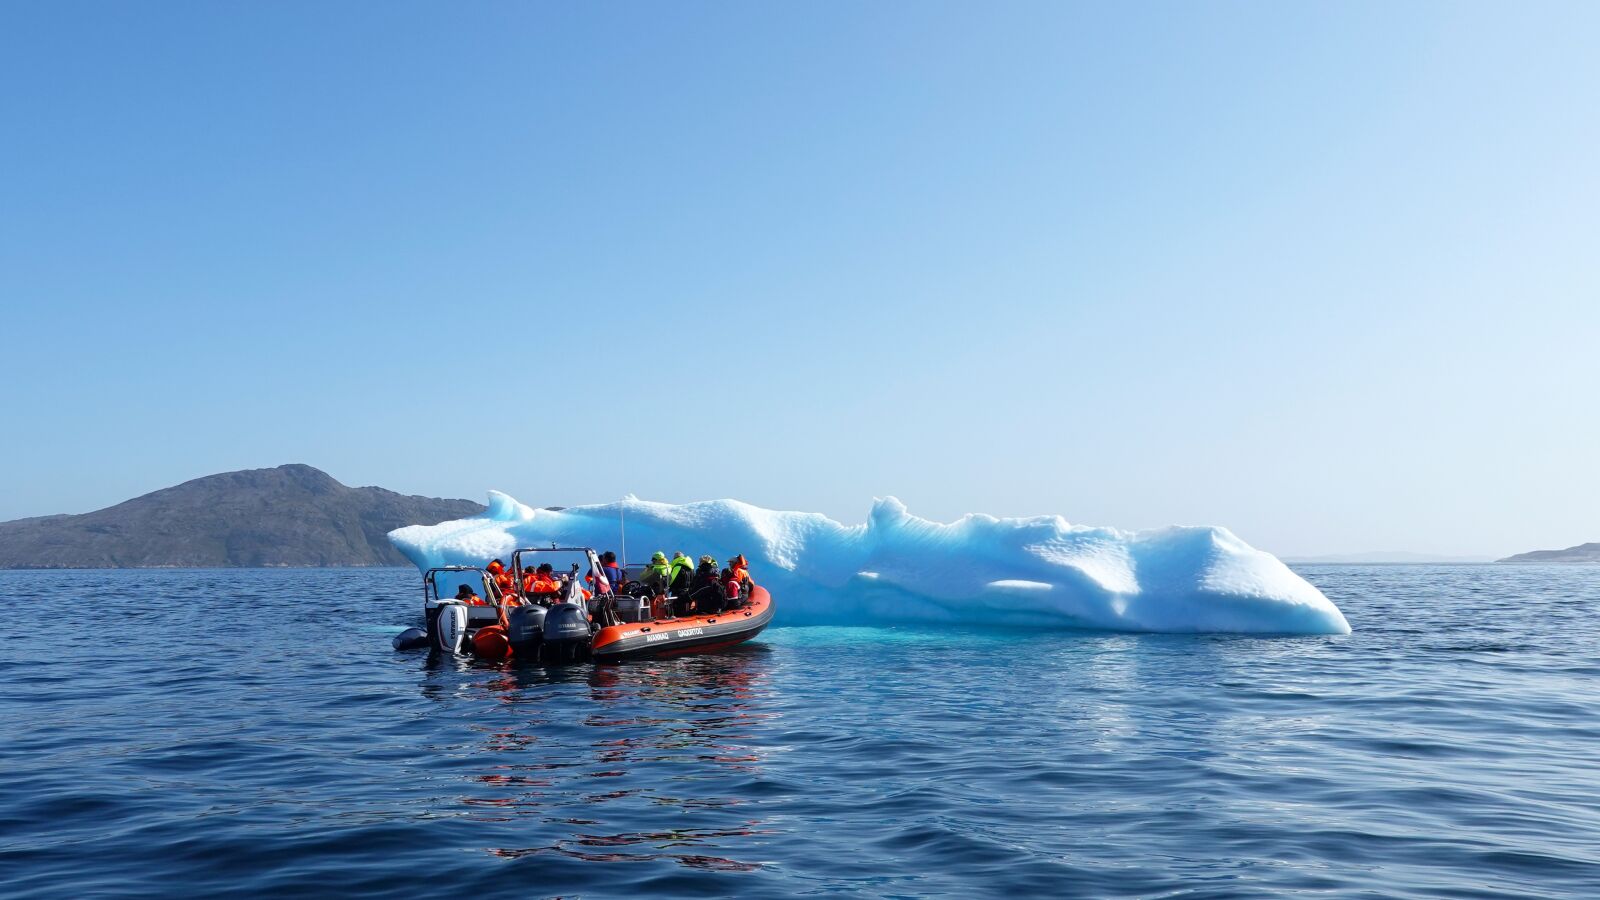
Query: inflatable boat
(690, 634)
(572, 624)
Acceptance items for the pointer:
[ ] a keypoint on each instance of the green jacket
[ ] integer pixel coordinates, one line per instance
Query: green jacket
(658, 575)
(681, 564)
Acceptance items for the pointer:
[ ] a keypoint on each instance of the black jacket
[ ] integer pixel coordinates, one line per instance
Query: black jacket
(706, 590)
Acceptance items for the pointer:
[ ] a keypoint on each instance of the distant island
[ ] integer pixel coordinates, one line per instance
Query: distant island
(1583, 553)
(293, 515)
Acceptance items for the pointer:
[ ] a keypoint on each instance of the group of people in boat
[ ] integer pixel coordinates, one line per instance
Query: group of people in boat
(692, 589)
(697, 589)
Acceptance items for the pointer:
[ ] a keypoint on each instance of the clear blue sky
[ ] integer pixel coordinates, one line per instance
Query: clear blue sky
(1324, 273)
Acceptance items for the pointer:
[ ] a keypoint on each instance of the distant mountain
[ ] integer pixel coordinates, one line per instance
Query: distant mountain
(1583, 553)
(293, 515)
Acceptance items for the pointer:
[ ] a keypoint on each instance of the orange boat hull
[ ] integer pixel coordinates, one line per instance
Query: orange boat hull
(692, 634)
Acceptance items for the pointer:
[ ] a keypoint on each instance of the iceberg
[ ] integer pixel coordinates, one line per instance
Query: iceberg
(898, 568)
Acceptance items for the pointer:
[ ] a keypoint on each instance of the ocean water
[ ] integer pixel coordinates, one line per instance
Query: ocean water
(250, 732)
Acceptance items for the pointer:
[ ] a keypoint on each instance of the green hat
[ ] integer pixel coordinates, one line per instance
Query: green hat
(658, 556)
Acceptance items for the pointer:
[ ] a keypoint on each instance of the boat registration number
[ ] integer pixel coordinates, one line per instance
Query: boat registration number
(687, 632)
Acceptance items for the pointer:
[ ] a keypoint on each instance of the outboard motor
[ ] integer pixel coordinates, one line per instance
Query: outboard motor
(566, 625)
(566, 631)
(449, 626)
(525, 625)
(411, 639)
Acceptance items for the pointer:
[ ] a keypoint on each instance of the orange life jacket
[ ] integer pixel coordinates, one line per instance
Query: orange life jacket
(738, 576)
(544, 584)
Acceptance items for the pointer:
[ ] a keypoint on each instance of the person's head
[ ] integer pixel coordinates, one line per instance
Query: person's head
(708, 561)
(658, 558)
(496, 564)
(608, 557)
(545, 568)
(463, 592)
(738, 561)
(678, 554)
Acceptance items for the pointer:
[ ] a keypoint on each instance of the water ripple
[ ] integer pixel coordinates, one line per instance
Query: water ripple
(250, 732)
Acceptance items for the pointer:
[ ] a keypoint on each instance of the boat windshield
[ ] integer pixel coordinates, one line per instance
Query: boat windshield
(561, 563)
(448, 582)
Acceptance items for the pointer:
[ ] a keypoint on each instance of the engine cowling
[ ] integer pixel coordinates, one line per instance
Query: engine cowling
(526, 624)
(566, 623)
(411, 639)
(449, 627)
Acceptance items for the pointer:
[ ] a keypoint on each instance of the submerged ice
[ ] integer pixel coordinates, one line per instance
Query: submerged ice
(900, 568)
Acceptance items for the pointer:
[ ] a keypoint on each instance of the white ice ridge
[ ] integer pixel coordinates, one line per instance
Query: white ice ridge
(900, 568)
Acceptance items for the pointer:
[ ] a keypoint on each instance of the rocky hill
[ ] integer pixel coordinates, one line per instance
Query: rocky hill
(1583, 553)
(293, 515)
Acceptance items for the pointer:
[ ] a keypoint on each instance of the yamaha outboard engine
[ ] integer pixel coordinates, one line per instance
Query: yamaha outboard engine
(449, 626)
(566, 622)
(525, 625)
(566, 625)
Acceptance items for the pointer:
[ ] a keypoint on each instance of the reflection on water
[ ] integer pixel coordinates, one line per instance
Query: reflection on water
(669, 735)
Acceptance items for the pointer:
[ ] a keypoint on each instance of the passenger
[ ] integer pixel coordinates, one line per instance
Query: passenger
(736, 579)
(658, 575)
(502, 579)
(682, 571)
(546, 588)
(706, 592)
(608, 561)
(466, 595)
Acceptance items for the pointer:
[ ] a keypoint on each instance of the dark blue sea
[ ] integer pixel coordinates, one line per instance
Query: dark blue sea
(251, 733)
